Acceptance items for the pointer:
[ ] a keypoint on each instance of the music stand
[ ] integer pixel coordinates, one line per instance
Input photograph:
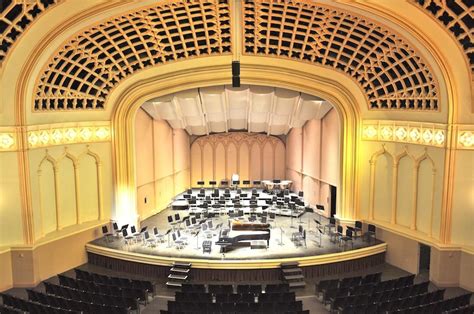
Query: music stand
(281, 236)
(168, 233)
(320, 209)
(197, 239)
(320, 237)
(212, 183)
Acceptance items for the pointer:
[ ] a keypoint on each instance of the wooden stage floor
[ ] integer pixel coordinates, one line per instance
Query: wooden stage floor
(280, 246)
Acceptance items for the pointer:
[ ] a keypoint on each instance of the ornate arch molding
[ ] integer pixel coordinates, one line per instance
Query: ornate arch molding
(82, 73)
(133, 96)
(387, 68)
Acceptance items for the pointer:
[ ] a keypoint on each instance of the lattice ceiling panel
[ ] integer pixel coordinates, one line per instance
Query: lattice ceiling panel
(86, 69)
(15, 17)
(458, 17)
(390, 72)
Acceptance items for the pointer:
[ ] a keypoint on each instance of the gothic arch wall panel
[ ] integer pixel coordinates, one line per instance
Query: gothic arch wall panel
(404, 191)
(383, 187)
(251, 156)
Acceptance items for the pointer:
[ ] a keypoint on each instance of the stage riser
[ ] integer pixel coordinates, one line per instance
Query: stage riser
(251, 275)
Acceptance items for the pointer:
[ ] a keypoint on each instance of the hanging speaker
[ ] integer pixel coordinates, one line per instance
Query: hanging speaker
(235, 74)
(235, 81)
(235, 68)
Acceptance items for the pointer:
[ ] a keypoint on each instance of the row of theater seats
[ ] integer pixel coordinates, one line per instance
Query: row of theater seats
(87, 293)
(370, 295)
(200, 298)
(254, 289)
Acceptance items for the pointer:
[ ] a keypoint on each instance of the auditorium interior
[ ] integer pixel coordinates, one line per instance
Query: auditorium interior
(236, 156)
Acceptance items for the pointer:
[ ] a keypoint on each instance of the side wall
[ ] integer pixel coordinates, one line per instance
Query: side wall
(162, 163)
(313, 160)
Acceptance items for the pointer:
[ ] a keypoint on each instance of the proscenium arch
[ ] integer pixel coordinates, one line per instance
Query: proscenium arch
(196, 73)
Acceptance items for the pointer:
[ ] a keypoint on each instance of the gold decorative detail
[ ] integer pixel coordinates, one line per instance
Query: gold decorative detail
(457, 17)
(466, 139)
(389, 70)
(428, 134)
(86, 68)
(49, 135)
(7, 141)
(15, 18)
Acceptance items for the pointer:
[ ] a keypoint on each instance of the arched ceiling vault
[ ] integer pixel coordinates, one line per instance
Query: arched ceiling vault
(390, 71)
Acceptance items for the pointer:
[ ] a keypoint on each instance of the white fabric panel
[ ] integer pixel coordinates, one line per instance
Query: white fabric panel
(285, 101)
(255, 108)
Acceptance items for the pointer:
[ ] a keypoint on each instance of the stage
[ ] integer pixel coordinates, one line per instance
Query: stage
(318, 247)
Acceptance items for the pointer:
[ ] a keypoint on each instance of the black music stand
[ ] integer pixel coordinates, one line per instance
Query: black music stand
(197, 239)
(320, 236)
(212, 183)
(168, 233)
(200, 183)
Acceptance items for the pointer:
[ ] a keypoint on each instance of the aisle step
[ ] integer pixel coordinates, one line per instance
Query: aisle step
(294, 277)
(177, 277)
(180, 270)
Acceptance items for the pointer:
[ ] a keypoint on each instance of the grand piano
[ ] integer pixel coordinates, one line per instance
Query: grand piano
(242, 234)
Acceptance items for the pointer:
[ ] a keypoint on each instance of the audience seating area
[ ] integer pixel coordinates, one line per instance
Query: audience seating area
(95, 293)
(87, 293)
(370, 295)
(200, 298)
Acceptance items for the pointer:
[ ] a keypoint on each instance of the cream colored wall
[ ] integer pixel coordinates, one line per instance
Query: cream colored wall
(466, 273)
(313, 158)
(6, 278)
(31, 265)
(55, 194)
(402, 252)
(251, 156)
(463, 199)
(330, 142)
(162, 163)
(444, 267)
(10, 200)
(415, 204)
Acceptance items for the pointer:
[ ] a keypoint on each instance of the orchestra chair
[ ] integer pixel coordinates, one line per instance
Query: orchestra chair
(300, 193)
(182, 237)
(116, 229)
(134, 233)
(331, 225)
(177, 220)
(205, 230)
(347, 238)
(170, 221)
(371, 233)
(257, 183)
(338, 234)
(149, 241)
(159, 237)
(127, 237)
(271, 219)
(224, 183)
(246, 182)
(357, 228)
(179, 244)
(106, 234)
